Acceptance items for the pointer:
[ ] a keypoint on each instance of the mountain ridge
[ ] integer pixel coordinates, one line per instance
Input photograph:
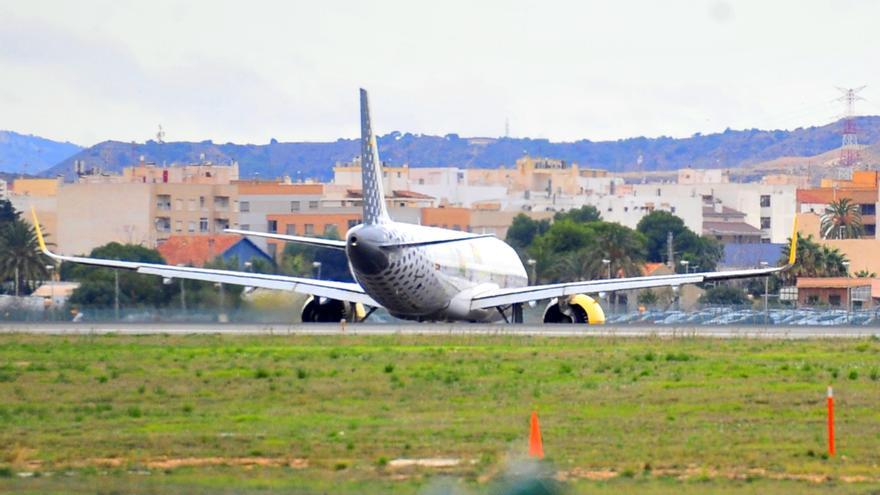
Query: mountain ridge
(300, 160)
(27, 153)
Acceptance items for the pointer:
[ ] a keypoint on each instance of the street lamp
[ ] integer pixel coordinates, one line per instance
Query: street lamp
(531, 262)
(50, 268)
(317, 265)
(766, 290)
(607, 263)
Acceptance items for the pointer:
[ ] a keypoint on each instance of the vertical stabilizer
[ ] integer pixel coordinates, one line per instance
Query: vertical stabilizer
(371, 169)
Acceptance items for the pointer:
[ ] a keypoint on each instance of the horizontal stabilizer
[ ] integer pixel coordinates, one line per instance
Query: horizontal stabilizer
(396, 245)
(311, 241)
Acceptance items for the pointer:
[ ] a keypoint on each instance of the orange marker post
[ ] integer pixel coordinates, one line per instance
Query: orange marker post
(536, 445)
(830, 422)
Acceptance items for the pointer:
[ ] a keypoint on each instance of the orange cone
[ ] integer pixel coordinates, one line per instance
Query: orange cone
(536, 445)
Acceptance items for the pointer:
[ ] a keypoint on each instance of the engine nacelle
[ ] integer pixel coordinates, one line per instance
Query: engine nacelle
(578, 308)
(324, 310)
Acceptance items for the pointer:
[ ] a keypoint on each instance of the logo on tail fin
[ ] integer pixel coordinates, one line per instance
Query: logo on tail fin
(371, 169)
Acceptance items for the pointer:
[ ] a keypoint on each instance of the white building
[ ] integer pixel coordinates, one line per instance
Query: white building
(628, 210)
(4, 190)
(450, 185)
(769, 207)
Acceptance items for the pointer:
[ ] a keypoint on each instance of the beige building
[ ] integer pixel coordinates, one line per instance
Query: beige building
(140, 210)
(4, 190)
(41, 195)
(544, 174)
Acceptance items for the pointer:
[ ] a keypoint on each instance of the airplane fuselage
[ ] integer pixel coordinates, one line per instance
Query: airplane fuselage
(432, 282)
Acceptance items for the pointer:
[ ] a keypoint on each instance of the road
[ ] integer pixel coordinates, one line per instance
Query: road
(722, 332)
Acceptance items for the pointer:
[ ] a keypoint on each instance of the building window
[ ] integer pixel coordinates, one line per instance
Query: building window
(765, 222)
(192, 204)
(245, 206)
(290, 229)
(331, 228)
(221, 203)
(868, 209)
(273, 249)
(313, 205)
(870, 229)
(192, 227)
(352, 223)
(294, 206)
(245, 226)
(178, 226)
(272, 226)
(220, 224)
(834, 300)
(765, 201)
(421, 182)
(163, 202)
(163, 224)
(203, 224)
(812, 300)
(202, 202)
(178, 204)
(309, 229)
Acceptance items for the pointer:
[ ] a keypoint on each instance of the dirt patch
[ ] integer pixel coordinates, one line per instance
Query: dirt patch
(696, 472)
(436, 462)
(586, 474)
(173, 463)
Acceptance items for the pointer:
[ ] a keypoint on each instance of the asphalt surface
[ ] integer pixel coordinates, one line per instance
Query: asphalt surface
(721, 332)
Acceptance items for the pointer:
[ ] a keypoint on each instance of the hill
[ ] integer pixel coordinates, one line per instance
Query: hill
(20, 153)
(730, 149)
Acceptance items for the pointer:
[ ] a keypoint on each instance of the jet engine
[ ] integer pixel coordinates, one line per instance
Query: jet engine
(324, 310)
(578, 308)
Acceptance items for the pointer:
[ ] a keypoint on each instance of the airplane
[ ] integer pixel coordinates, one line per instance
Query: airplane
(423, 273)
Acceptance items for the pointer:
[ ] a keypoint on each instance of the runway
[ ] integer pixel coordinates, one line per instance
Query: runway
(526, 330)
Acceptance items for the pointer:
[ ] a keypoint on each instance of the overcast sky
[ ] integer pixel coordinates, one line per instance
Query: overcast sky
(249, 71)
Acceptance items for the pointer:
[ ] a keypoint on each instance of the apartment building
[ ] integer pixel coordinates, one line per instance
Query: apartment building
(546, 174)
(312, 224)
(143, 206)
(4, 190)
(192, 208)
(628, 210)
(260, 199)
(862, 190)
(768, 207)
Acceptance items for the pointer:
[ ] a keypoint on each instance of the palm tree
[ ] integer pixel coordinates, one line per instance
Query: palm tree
(813, 260)
(864, 274)
(20, 256)
(842, 220)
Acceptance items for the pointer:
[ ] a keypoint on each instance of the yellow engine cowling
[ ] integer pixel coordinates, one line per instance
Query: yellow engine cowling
(578, 308)
(323, 310)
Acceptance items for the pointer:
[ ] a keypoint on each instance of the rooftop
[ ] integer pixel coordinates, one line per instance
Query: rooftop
(195, 250)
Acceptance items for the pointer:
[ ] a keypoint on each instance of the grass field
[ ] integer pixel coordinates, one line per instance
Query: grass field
(212, 414)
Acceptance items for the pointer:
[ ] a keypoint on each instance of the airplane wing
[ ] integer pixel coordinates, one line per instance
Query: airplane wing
(311, 241)
(343, 291)
(504, 297)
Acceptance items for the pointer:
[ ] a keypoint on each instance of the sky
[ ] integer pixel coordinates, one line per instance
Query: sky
(247, 72)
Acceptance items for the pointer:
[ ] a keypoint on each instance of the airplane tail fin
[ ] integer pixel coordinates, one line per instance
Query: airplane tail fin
(371, 169)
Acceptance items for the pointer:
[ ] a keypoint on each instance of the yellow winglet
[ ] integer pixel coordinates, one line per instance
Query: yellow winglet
(39, 231)
(792, 250)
